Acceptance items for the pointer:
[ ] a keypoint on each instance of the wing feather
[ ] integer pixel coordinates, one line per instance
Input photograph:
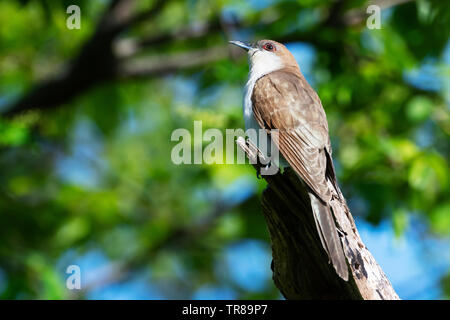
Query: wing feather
(284, 100)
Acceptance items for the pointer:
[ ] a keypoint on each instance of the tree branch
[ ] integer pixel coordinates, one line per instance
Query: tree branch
(357, 16)
(300, 266)
(100, 60)
(131, 46)
(161, 65)
(96, 62)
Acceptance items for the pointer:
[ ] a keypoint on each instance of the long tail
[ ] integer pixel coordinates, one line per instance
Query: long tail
(329, 236)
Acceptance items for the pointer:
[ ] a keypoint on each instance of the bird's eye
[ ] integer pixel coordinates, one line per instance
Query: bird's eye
(269, 47)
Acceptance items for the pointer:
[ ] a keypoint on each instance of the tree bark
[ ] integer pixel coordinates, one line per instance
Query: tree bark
(300, 265)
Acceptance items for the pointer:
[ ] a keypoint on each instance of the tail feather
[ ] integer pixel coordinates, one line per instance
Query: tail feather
(329, 237)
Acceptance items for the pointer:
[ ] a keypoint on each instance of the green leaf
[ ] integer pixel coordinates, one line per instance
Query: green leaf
(419, 108)
(440, 219)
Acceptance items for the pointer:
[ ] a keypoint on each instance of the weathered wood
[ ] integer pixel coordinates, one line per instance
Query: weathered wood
(300, 266)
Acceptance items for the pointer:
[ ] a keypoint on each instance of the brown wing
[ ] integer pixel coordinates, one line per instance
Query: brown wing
(284, 100)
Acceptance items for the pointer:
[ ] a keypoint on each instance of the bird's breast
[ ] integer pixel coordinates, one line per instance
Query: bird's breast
(249, 118)
(251, 123)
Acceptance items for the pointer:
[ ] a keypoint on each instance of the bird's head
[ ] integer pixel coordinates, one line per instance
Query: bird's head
(266, 56)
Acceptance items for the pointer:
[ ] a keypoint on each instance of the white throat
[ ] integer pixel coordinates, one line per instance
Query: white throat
(261, 63)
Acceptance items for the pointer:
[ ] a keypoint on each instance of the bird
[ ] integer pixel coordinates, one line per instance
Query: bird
(278, 99)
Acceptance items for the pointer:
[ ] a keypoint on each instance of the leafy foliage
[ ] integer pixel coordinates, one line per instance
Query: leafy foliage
(93, 175)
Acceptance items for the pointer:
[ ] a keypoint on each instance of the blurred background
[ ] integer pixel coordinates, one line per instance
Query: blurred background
(86, 117)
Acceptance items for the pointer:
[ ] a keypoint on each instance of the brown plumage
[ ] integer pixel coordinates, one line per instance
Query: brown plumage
(284, 100)
(279, 97)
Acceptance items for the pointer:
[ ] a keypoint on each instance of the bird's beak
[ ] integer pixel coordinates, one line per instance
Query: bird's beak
(243, 45)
